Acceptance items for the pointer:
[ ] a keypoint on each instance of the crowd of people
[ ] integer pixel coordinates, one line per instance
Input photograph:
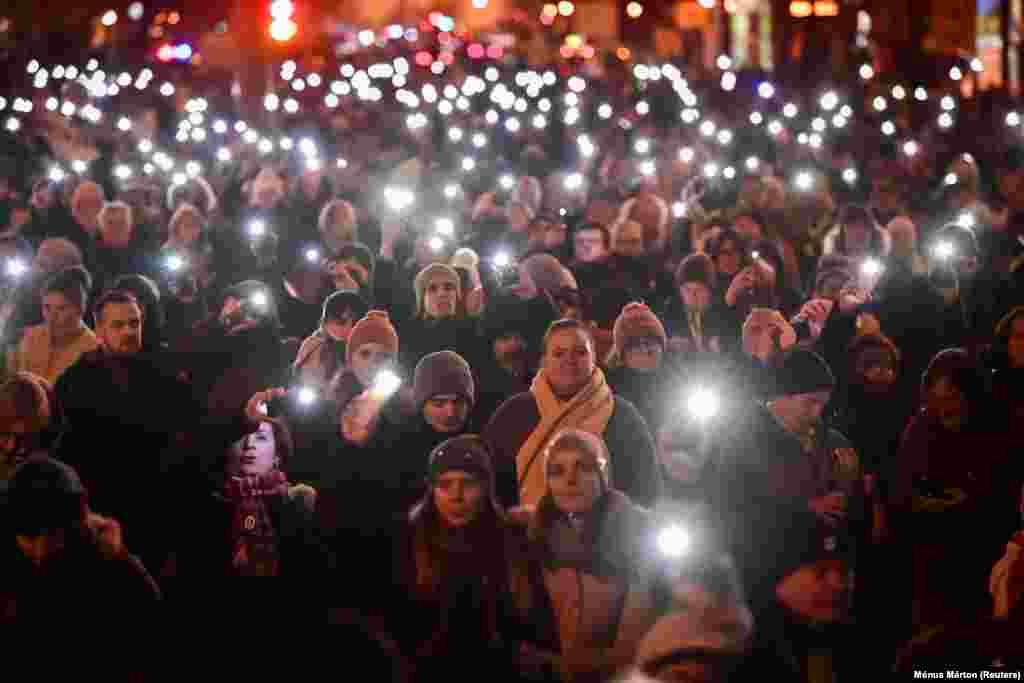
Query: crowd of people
(626, 387)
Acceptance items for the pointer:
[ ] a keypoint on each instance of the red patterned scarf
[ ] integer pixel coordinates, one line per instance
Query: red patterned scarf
(253, 537)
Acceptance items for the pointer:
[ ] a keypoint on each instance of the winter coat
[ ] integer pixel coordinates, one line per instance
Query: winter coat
(945, 516)
(225, 371)
(121, 413)
(491, 603)
(633, 463)
(84, 588)
(420, 337)
(718, 322)
(319, 359)
(602, 584)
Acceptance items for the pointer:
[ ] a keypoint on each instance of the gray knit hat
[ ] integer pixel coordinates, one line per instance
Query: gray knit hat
(443, 373)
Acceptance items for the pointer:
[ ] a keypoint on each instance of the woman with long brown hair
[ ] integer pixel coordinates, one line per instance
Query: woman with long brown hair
(464, 575)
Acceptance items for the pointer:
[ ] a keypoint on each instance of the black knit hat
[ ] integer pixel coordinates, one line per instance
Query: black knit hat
(340, 305)
(799, 371)
(466, 453)
(696, 268)
(443, 373)
(44, 494)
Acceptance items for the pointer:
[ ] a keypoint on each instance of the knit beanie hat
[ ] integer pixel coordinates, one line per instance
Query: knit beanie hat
(340, 305)
(799, 371)
(73, 283)
(45, 494)
(423, 279)
(374, 328)
(699, 631)
(442, 373)
(636, 321)
(696, 268)
(548, 273)
(466, 453)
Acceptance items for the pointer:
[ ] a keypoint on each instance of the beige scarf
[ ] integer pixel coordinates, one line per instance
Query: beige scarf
(590, 410)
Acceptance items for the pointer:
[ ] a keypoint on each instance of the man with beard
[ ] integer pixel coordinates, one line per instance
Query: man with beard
(130, 402)
(783, 478)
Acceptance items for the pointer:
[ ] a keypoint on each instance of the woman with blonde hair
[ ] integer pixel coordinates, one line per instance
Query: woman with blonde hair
(591, 542)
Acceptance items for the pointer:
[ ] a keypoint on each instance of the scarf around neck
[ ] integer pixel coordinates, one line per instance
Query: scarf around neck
(253, 537)
(589, 410)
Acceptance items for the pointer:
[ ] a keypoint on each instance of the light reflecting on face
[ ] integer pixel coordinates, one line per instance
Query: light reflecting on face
(120, 328)
(590, 246)
(446, 413)
(368, 359)
(574, 480)
(568, 361)
(459, 497)
(254, 454)
(695, 295)
(62, 316)
(643, 354)
(440, 297)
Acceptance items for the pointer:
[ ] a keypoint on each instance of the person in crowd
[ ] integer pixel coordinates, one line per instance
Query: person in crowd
(440, 322)
(532, 303)
(974, 299)
(705, 644)
(591, 541)
(869, 409)
(196, 192)
(693, 316)
(569, 391)
(246, 520)
(24, 307)
(63, 560)
(638, 368)
(148, 295)
(322, 354)
(352, 269)
(592, 245)
(505, 371)
(49, 349)
(86, 203)
(237, 351)
(337, 225)
(937, 489)
(728, 252)
(856, 235)
(463, 578)
(754, 286)
(631, 262)
(185, 229)
(904, 251)
(118, 389)
(29, 420)
(119, 246)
